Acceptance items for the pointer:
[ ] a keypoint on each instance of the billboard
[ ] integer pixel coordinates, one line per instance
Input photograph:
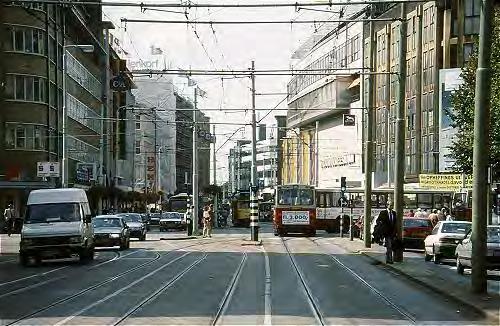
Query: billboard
(449, 81)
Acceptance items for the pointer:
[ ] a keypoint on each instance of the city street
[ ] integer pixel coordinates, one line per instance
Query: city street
(222, 280)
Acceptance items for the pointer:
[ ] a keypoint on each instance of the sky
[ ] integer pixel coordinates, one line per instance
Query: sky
(222, 47)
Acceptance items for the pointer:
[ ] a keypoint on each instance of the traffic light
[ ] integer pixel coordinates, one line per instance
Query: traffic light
(343, 188)
(497, 200)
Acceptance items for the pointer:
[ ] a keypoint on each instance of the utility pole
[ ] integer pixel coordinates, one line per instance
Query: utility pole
(214, 164)
(481, 153)
(399, 173)
(254, 203)
(369, 137)
(195, 164)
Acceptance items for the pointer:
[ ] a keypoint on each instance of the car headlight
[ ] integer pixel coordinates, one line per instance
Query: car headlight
(114, 235)
(76, 239)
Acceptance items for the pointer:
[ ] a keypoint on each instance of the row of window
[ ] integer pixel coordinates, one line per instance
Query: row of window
(25, 136)
(26, 39)
(81, 151)
(341, 56)
(25, 88)
(83, 114)
(82, 76)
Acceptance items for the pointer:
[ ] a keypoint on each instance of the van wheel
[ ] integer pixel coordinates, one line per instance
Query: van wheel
(24, 259)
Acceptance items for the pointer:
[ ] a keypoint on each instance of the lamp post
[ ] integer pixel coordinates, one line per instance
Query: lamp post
(87, 48)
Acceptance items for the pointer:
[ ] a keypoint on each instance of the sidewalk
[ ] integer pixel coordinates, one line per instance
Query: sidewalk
(444, 281)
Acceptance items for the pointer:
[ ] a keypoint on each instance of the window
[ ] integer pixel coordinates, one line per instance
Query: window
(137, 122)
(37, 137)
(27, 88)
(10, 136)
(27, 40)
(138, 147)
(20, 137)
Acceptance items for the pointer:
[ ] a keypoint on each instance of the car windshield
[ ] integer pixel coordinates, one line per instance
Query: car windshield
(106, 222)
(458, 228)
(132, 218)
(169, 215)
(49, 213)
(494, 234)
(416, 223)
(155, 215)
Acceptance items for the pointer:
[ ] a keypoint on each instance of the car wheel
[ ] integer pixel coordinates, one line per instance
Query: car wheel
(123, 245)
(460, 267)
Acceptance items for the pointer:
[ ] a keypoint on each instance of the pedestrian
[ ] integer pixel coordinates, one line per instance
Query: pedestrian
(207, 221)
(419, 213)
(442, 214)
(386, 228)
(433, 217)
(425, 213)
(9, 216)
(449, 218)
(411, 213)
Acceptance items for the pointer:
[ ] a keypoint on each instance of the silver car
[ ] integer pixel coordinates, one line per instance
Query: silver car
(111, 230)
(464, 250)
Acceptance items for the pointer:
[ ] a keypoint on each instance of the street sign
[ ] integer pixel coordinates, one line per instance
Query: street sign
(349, 120)
(86, 172)
(119, 83)
(47, 169)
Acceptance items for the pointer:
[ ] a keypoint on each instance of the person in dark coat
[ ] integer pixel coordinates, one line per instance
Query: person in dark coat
(386, 229)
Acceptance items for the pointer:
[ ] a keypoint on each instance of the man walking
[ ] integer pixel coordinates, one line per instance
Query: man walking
(207, 221)
(386, 228)
(9, 216)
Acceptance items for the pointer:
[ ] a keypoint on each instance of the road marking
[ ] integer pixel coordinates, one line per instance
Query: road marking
(8, 261)
(118, 256)
(20, 290)
(32, 276)
(267, 290)
(114, 294)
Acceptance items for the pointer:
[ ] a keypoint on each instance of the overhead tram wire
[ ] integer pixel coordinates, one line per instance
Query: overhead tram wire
(254, 22)
(216, 5)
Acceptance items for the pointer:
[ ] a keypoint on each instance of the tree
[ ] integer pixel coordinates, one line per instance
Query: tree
(463, 112)
(212, 190)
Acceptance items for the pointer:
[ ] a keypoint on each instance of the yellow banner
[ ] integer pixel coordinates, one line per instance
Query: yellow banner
(443, 181)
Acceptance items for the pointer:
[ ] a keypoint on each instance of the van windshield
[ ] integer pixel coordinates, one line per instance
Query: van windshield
(51, 213)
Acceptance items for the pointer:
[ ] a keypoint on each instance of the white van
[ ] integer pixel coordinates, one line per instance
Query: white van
(57, 225)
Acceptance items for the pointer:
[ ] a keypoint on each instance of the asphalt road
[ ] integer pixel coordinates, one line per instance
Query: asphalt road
(222, 280)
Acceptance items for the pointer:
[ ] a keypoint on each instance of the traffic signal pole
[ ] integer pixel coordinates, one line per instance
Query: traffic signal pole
(254, 203)
(481, 152)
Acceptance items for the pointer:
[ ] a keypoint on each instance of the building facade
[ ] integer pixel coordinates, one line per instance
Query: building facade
(33, 38)
(324, 118)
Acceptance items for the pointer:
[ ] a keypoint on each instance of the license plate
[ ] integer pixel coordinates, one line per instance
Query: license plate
(295, 218)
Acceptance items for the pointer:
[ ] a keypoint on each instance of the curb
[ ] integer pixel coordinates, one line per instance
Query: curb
(487, 315)
(179, 238)
(251, 243)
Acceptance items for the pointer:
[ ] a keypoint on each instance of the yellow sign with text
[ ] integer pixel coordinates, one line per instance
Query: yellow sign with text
(444, 181)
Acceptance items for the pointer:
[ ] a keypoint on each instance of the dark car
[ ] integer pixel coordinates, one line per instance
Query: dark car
(415, 230)
(172, 221)
(444, 238)
(154, 218)
(464, 250)
(110, 231)
(136, 225)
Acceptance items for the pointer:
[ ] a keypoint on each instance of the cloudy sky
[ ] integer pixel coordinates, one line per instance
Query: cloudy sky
(221, 47)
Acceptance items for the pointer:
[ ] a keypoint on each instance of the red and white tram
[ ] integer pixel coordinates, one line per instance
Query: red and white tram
(295, 210)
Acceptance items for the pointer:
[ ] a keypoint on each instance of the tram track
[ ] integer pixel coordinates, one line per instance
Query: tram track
(313, 305)
(390, 303)
(102, 283)
(226, 299)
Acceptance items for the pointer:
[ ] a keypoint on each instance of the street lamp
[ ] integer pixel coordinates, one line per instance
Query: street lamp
(87, 48)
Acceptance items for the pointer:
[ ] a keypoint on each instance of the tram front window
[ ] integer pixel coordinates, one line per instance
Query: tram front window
(295, 197)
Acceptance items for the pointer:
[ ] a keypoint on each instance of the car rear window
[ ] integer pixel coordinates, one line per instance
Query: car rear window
(459, 228)
(417, 223)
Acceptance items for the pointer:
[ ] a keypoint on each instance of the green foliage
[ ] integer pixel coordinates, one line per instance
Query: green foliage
(463, 114)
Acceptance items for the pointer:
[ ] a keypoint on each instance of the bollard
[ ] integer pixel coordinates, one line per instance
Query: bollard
(189, 227)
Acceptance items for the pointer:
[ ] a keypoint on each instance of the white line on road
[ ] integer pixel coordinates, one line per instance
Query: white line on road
(114, 294)
(118, 256)
(8, 261)
(267, 290)
(32, 276)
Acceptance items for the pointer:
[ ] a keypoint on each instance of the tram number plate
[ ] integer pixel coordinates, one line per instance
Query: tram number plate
(295, 217)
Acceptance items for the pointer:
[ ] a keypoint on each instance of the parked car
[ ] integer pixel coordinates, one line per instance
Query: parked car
(154, 218)
(136, 226)
(444, 238)
(415, 230)
(464, 250)
(110, 231)
(172, 220)
(57, 225)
